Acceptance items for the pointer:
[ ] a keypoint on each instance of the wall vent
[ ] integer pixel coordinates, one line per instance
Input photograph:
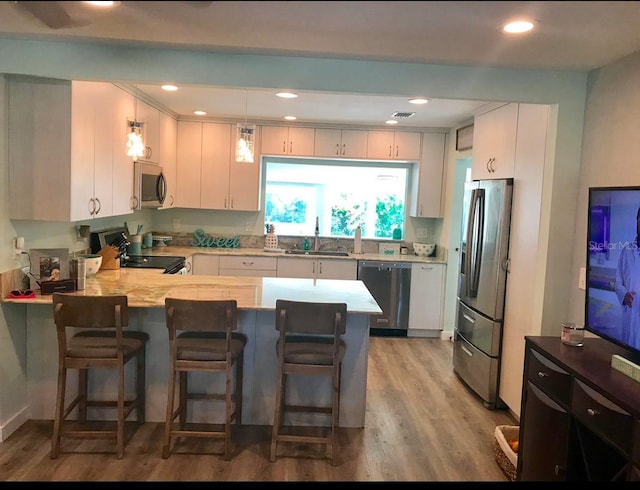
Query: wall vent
(403, 115)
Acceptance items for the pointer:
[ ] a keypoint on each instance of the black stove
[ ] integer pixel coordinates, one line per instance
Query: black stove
(170, 264)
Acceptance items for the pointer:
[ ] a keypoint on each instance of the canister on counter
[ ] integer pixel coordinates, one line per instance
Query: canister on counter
(404, 250)
(78, 272)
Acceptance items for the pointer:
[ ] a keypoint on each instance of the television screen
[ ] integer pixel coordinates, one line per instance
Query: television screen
(612, 306)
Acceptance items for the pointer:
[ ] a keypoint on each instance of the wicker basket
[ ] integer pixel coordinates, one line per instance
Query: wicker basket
(505, 457)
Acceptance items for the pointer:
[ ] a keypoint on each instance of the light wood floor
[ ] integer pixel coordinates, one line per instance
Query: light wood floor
(422, 424)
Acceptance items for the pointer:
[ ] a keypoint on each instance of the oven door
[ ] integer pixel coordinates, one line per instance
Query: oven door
(150, 185)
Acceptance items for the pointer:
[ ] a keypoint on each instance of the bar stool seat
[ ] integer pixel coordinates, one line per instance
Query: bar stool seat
(309, 344)
(105, 345)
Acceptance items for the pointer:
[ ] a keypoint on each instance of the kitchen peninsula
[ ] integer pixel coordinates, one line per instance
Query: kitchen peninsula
(256, 296)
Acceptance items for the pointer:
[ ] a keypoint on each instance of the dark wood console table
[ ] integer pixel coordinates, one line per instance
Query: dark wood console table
(580, 418)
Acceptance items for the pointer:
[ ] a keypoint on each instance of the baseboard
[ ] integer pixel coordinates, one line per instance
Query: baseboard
(446, 335)
(423, 333)
(13, 424)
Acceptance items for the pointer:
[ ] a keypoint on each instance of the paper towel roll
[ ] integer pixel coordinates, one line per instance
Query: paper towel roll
(357, 241)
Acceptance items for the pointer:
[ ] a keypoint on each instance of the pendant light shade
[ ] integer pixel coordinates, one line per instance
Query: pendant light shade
(245, 136)
(135, 141)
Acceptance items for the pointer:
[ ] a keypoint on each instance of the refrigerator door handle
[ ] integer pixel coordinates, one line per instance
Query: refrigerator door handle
(475, 237)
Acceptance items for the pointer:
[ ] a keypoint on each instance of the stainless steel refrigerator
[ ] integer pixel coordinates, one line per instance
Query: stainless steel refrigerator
(484, 261)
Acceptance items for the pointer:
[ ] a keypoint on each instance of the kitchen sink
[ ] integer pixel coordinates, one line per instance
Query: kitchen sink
(325, 253)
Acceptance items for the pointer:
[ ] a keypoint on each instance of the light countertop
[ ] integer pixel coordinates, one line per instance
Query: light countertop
(189, 251)
(150, 287)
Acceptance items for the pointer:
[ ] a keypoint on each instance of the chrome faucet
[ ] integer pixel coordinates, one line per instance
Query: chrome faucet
(316, 240)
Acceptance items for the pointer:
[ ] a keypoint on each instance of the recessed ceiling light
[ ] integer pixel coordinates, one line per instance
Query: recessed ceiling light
(518, 26)
(103, 4)
(391, 121)
(200, 113)
(169, 88)
(418, 100)
(287, 95)
(290, 118)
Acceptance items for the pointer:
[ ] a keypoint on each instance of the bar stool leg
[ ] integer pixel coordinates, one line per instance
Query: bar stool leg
(83, 382)
(141, 393)
(171, 391)
(120, 422)
(59, 415)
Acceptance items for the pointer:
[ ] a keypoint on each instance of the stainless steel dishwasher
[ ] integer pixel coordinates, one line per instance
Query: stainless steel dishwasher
(389, 283)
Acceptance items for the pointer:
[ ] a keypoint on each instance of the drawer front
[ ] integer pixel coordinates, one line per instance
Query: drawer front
(248, 262)
(602, 416)
(479, 371)
(549, 377)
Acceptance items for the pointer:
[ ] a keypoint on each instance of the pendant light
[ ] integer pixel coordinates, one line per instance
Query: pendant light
(245, 136)
(135, 139)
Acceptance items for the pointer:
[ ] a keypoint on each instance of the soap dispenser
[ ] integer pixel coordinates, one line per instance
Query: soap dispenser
(305, 244)
(357, 241)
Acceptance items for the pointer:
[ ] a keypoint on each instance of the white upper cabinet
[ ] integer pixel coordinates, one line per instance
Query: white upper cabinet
(340, 143)
(283, 140)
(150, 117)
(67, 150)
(426, 182)
(208, 177)
(168, 156)
(393, 145)
(494, 143)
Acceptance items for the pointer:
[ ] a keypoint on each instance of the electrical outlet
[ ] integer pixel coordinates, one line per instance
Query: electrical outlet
(176, 224)
(18, 247)
(248, 226)
(582, 280)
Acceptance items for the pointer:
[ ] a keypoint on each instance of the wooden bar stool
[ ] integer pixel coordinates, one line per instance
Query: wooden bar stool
(202, 337)
(309, 344)
(105, 345)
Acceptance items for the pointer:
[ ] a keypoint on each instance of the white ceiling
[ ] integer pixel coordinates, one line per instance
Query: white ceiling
(576, 36)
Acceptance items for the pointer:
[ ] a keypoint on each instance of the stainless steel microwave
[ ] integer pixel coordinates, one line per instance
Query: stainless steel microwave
(150, 185)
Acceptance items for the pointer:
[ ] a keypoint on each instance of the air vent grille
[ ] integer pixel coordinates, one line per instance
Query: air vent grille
(403, 115)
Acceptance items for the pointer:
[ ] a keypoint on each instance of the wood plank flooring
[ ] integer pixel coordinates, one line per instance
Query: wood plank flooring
(422, 424)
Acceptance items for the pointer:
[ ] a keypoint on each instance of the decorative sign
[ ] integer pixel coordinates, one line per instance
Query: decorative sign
(201, 239)
(464, 138)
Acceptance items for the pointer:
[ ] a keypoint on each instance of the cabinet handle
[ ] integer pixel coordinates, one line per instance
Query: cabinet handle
(172, 200)
(390, 150)
(337, 148)
(231, 203)
(344, 149)
(225, 203)
(420, 210)
(92, 206)
(290, 146)
(99, 205)
(247, 263)
(148, 152)
(593, 412)
(313, 267)
(542, 374)
(319, 267)
(397, 151)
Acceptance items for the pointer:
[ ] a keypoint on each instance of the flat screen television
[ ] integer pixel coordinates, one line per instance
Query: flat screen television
(612, 299)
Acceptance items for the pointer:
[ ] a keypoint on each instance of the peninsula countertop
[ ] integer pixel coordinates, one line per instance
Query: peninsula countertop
(150, 287)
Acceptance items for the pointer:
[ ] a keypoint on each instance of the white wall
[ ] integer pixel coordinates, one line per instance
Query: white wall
(610, 153)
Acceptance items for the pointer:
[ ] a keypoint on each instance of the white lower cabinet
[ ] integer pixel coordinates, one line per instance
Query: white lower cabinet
(317, 268)
(205, 265)
(248, 266)
(426, 300)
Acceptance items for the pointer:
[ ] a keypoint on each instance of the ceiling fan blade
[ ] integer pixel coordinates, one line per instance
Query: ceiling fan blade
(51, 14)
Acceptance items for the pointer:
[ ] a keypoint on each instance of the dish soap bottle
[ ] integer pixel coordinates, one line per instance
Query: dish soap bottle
(357, 241)
(305, 244)
(271, 240)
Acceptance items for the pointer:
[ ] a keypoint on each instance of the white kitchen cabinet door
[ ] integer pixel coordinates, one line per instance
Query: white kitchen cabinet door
(297, 268)
(317, 268)
(283, 140)
(188, 164)
(426, 182)
(337, 143)
(62, 154)
(205, 265)
(336, 269)
(393, 145)
(426, 300)
(494, 143)
(150, 117)
(122, 182)
(168, 156)
(216, 157)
